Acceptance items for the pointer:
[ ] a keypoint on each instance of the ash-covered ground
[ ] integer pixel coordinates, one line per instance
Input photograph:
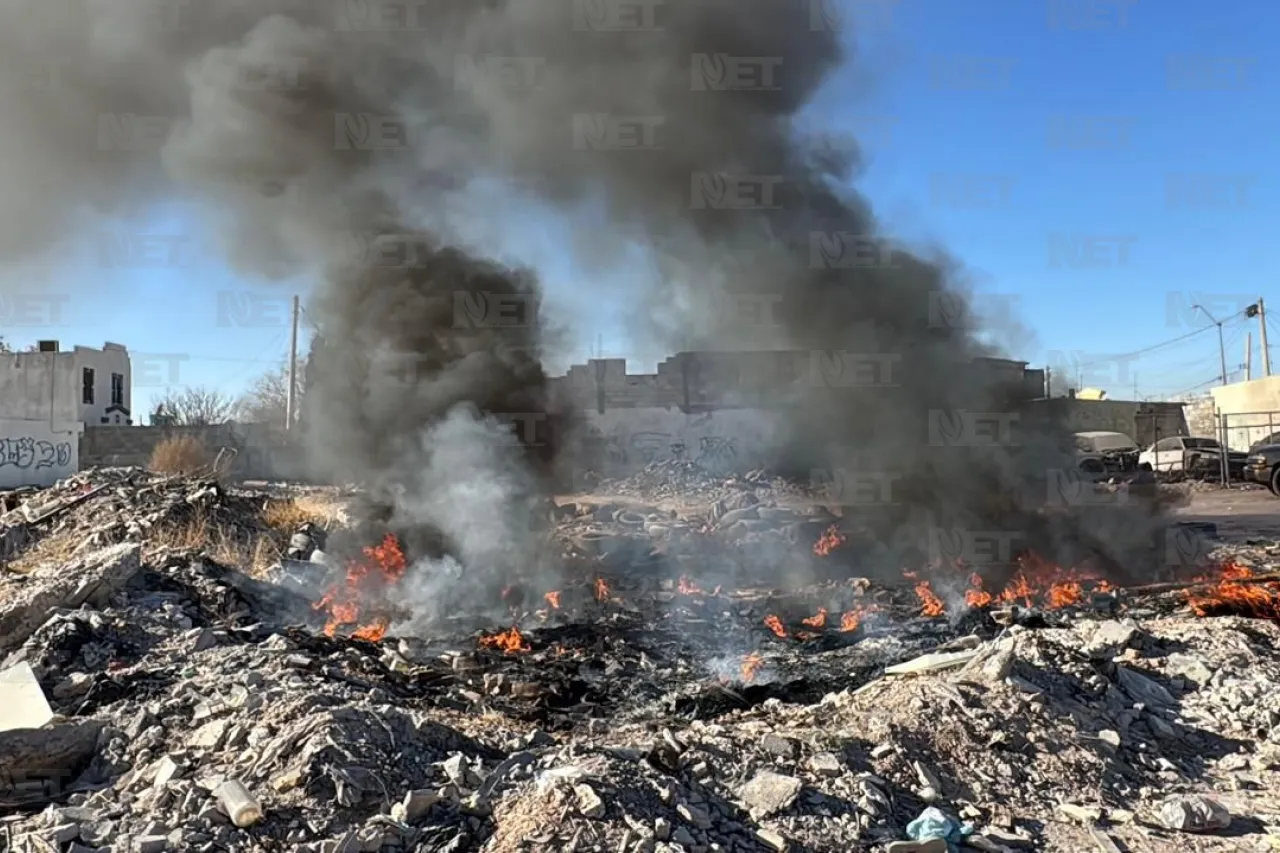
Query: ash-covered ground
(665, 696)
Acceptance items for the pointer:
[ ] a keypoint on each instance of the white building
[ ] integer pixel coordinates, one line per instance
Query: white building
(46, 398)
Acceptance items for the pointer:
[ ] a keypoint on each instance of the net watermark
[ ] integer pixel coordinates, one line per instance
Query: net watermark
(36, 310)
(950, 546)
(1193, 309)
(514, 75)
(280, 74)
(1089, 16)
(1087, 132)
(748, 311)
(837, 250)
(157, 369)
(129, 250)
(957, 428)
(1092, 369)
(971, 191)
(380, 16)
(130, 132)
(849, 369)
(526, 429)
(606, 132)
(1200, 73)
(836, 15)
(247, 309)
(390, 250)
(971, 73)
(480, 310)
(1208, 191)
(612, 16)
(855, 486)
(720, 72)
(370, 132)
(950, 310)
(711, 191)
(1072, 487)
(1185, 548)
(1077, 251)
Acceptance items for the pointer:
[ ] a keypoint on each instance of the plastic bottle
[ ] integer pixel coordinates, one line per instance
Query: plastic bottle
(238, 803)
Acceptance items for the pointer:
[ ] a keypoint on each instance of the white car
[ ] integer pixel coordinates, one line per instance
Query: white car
(1183, 453)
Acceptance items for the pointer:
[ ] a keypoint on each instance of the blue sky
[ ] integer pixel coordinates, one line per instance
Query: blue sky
(996, 130)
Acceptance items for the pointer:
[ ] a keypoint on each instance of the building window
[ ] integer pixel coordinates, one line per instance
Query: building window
(86, 396)
(117, 389)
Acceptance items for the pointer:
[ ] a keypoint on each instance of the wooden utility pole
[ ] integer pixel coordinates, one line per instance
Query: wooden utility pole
(290, 405)
(1262, 332)
(1248, 357)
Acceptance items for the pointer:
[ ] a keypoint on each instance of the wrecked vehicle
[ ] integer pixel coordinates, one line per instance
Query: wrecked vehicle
(1104, 452)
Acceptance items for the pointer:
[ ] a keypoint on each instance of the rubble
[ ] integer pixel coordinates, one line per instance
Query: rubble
(192, 706)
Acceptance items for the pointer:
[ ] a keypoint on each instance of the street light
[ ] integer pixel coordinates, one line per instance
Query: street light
(1222, 350)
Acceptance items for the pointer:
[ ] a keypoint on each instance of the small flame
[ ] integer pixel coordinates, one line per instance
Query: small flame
(751, 665)
(829, 541)
(510, 640)
(930, 604)
(602, 590)
(817, 620)
(553, 599)
(775, 625)
(381, 566)
(976, 596)
(687, 587)
(851, 619)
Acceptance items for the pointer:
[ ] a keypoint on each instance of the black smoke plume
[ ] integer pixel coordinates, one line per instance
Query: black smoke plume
(353, 141)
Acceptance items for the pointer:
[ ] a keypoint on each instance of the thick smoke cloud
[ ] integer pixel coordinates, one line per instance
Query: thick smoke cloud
(337, 139)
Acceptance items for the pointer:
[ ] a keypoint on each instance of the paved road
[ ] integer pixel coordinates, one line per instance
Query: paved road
(1239, 514)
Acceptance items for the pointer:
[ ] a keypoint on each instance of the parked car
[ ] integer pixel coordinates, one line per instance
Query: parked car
(1101, 452)
(1263, 465)
(1274, 438)
(1192, 455)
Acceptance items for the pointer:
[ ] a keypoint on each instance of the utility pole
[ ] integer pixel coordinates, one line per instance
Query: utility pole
(1222, 349)
(1248, 357)
(290, 404)
(1262, 331)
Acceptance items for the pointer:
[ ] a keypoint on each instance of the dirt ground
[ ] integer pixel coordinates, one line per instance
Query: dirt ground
(1240, 514)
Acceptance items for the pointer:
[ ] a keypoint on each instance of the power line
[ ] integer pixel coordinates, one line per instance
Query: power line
(1145, 349)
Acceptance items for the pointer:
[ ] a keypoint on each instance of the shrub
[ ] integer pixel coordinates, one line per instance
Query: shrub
(181, 454)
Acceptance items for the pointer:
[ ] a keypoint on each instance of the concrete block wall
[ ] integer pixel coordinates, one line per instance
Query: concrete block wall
(258, 451)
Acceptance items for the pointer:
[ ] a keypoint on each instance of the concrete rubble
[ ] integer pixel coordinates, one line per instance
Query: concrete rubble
(186, 713)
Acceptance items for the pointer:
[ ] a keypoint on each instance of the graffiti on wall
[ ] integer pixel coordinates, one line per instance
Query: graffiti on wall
(27, 452)
(633, 439)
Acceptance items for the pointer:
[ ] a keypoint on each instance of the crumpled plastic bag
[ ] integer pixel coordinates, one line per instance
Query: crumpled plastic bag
(934, 823)
(1194, 813)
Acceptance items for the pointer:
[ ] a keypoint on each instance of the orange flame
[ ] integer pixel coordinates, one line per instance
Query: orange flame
(930, 604)
(817, 621)
(510, 640)
(553, 598)
(687, 587)
(775, 625)
(602, 590)
(751, 665)
(851, 619)
(829, 541)
(976, 596)
(382, 565)
(1229, 595)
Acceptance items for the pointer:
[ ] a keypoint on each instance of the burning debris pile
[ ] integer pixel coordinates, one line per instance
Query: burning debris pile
(156, 696)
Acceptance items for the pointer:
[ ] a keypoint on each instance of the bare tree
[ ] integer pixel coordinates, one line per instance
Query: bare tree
(196, 406)
(267, 401)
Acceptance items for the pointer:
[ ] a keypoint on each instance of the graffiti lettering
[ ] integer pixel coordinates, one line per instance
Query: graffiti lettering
(26, 452)
(716, 453)
(650, 445)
